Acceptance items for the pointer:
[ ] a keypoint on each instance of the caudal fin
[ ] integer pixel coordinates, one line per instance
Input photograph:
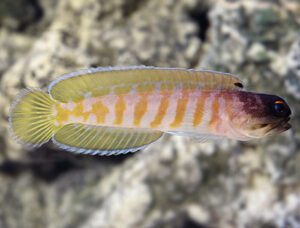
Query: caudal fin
(31, 117)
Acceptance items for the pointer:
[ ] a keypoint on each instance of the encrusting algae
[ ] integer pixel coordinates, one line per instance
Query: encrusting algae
(114, 110)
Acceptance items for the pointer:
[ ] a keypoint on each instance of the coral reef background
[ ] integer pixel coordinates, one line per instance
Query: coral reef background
(175, 183)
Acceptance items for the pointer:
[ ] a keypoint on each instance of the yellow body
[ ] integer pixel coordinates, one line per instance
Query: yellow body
(116, 110)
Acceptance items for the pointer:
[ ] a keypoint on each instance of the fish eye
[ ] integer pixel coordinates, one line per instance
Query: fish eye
(280, 108)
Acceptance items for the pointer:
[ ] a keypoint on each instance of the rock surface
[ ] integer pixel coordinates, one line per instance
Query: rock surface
(175, 183)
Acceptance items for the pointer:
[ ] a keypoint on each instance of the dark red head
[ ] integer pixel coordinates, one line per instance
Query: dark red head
(256, 115)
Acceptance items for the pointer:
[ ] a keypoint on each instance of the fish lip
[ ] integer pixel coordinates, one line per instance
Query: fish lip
(272, 124)
(279, 126)
(269, 128)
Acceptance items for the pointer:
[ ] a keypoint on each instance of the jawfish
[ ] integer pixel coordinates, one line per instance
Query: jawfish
(115, 110)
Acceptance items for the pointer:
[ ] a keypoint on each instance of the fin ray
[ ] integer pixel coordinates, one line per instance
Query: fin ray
(31, 118)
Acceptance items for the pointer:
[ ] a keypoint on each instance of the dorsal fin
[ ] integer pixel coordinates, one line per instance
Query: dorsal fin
(119, 80)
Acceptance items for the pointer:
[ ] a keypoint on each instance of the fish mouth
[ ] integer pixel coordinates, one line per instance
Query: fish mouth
(270, 128)
(278, 126)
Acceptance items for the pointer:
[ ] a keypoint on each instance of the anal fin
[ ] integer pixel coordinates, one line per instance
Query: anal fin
(90, 139)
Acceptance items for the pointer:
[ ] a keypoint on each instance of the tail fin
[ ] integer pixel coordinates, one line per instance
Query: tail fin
(31, 117)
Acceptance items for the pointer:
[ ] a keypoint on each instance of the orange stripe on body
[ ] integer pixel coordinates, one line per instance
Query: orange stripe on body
(140, 110)
(78, 110)
(120, 107)
(162, 110)
(215, 112)
(62, 114)
(180, 110)
(228, 104)
(100, 110)
(199, 111)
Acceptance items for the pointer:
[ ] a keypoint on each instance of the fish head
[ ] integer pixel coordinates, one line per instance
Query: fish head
(259, 115)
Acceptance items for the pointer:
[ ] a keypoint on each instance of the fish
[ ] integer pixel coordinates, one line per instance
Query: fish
(116, 110)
